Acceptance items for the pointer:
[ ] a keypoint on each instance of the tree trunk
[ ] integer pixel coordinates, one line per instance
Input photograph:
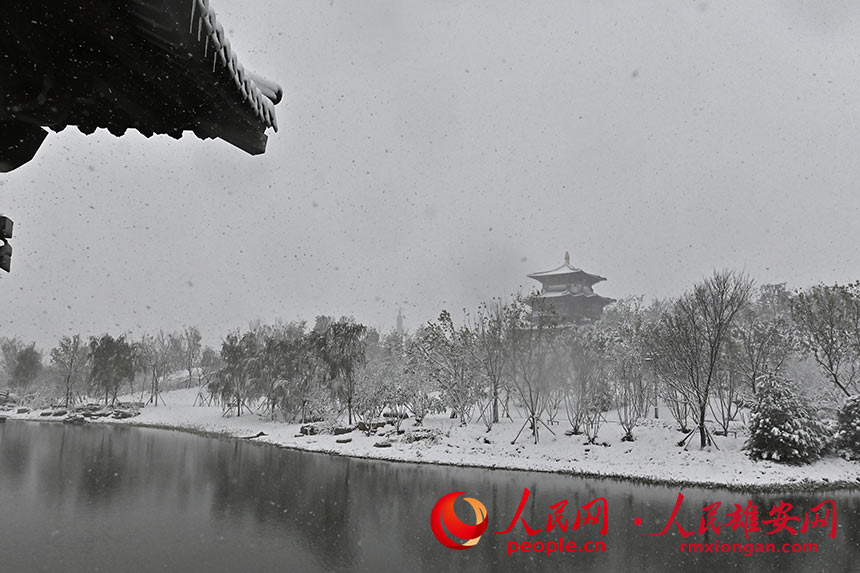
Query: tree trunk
(703, 432)
(496, 402)
(68, 389)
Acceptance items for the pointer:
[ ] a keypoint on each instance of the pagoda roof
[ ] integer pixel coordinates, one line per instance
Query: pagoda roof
(567, 269)
(569, 293)
(158, 66)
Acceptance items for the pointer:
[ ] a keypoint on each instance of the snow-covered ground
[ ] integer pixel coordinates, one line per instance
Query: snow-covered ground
(653, 456)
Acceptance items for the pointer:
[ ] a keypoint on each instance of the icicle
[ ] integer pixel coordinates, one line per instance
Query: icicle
(199, 27)
(206, 47)
(191, 23)
(210, 31)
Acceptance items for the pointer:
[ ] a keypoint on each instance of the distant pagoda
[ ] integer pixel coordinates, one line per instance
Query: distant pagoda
(568, 292)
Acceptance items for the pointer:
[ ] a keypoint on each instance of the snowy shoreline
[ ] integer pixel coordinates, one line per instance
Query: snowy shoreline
(653, 458)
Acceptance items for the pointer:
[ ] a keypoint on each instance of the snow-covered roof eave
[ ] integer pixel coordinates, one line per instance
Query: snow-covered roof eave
(259, 94)
(156, 66)
(566, 269)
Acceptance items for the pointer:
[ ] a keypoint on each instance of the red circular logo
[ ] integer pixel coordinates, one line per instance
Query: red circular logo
(443, 521)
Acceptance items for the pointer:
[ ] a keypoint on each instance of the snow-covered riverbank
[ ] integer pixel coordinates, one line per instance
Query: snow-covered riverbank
(654, 456)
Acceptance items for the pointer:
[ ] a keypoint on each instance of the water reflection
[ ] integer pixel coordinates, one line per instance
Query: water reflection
(116, 498)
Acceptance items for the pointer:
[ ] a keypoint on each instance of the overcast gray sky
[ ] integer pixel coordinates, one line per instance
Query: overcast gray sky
(432, 153)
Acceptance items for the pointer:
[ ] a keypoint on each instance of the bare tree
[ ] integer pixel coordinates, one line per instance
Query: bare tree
(535, 363)
(828, 320)
(766, 335)
(679, 406)
(725, 403)
(623, 334)
(493, 329)
(160, 354)
(581, 374)
(191, 350)
(209, 364)
(70, 357)
(421, 392)
(692, 336)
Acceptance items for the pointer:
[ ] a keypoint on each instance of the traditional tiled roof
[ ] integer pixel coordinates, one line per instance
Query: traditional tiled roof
(571, 294)
(576, 275)
(158, 66)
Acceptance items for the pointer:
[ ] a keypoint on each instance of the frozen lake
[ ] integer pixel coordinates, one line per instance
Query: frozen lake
(107, 498)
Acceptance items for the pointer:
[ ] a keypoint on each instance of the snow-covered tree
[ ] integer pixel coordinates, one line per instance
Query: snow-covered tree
(374, 387)
(306, 381)
(782, 428)
(848, 434)
(9, 349)
(234, 385)
(342, 347)
(397, 386)
(452, 362)
(112, 364)
(28, 366)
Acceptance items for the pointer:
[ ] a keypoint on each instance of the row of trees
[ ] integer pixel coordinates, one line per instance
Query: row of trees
(689, 353)
(704, 356)
(290, 368)
(103, 365)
